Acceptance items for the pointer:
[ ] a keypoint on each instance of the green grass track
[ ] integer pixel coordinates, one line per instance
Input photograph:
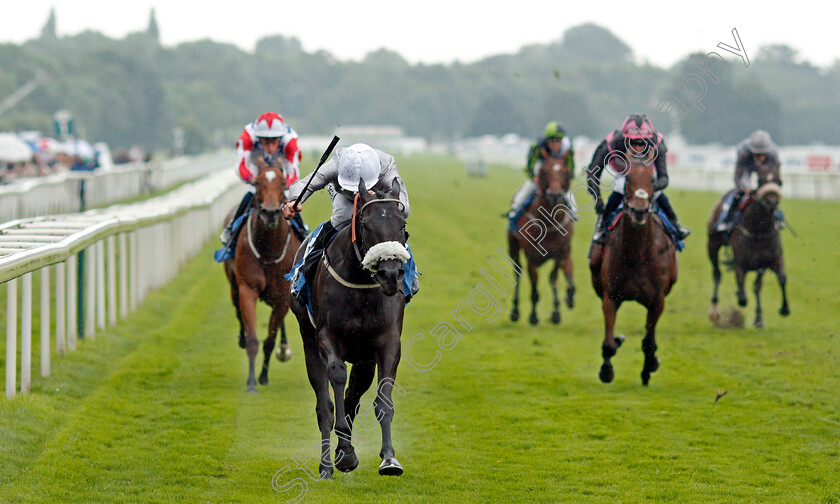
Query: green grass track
(155, 409)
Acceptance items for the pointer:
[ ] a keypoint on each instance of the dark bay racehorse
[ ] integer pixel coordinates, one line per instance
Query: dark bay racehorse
(551, 220)
(639, 263)
(264, 253)
(755, 241)
(358, 315)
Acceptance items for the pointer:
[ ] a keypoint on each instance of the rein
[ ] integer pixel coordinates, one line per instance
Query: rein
(254, 248)
(344, 282)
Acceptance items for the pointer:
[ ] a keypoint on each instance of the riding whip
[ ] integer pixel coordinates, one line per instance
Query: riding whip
(323, 159)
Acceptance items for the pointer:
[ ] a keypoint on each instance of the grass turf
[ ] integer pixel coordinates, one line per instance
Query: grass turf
(155, 410)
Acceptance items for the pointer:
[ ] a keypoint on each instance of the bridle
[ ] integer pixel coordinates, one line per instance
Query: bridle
(359, 244)
(257, 207)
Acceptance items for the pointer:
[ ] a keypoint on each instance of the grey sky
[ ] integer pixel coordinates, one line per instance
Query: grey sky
(437, 31)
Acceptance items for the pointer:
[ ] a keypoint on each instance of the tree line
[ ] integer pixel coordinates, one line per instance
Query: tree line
(135, 91)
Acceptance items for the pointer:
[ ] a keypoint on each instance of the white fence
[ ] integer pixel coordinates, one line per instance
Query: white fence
(810, 172)
(61, 192)
(127, 251)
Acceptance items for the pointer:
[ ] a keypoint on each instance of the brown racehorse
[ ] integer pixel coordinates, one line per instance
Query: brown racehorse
(265, 252)
(358, 307)
(553, 223)
(638, 263)
(755, 241)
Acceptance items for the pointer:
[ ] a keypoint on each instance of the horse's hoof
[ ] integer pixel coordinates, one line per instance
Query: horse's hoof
(326, 472)
(742, 301)
(514, 315)
(645, 377)
(390, 467)
(555, 317)
(284, 353)
(654, 364)
(759, 323)
(252, 389)
(784, 311)
(714, 314)
(606, 374)
(533, 319)
(264, 378)
(347, 462)
(241, 340)
(570, 301)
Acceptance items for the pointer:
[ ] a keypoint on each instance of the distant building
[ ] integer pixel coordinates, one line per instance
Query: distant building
(386, 138)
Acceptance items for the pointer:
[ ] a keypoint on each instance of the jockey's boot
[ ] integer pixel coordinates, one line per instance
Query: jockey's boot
(600, 234)
(682, 231)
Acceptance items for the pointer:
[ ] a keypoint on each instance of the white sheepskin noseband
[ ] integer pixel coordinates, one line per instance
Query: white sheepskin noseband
(384, 251)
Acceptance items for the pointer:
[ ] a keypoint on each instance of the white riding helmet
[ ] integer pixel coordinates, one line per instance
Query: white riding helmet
(269, 125)
(760, 142)
(358, 162)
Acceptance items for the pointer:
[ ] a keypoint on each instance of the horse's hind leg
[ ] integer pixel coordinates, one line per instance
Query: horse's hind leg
(611, 343)
(759, 319)
(779, 269)
(535, 295)
(234, 295)
(513, 249)
(555, 315)
(649, 342)
(323, 405)
(387, 359)
(268, 345)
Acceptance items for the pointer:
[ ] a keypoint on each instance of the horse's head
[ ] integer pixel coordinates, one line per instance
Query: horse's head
(554, 180)
(379, 229)
(638, 192)
(271, 186)
(769, 190)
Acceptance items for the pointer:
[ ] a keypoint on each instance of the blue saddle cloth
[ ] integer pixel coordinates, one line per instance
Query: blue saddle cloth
(300, 284)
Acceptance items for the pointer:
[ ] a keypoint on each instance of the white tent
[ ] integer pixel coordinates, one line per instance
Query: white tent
(13, 149)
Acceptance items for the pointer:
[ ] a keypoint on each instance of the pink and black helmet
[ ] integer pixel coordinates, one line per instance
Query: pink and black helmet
(638, 127)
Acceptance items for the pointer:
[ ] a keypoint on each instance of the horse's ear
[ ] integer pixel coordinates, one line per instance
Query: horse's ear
(395, 188)
(362, 188)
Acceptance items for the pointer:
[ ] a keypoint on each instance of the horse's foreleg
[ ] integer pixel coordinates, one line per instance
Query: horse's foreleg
(268, 345)
(513, 249)
(345, 458)
(361, 376)
(248, 305)
(759, 319)
(740, 276)
(779, 269)
(284, 353)
(535, 295)
(555, 315)
(568, 272)
(387, 359)
(317, 374)
(649, 342)
(714, 250)
(611, 343)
